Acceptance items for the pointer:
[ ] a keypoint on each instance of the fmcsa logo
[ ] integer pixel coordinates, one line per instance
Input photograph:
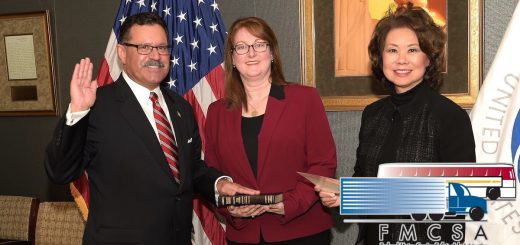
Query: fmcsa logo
(435, 234)
(412, 203)
(408, 233)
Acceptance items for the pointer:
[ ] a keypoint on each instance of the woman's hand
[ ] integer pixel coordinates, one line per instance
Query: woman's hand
(247, 210)
(328, 199)
(277, 208)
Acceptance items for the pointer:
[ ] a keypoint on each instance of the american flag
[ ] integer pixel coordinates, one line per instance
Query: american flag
(197, 35)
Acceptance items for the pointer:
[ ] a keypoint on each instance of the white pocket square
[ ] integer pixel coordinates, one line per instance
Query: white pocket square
(190, 140)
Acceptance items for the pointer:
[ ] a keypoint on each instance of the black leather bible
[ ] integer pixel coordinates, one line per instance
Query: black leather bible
(238, 200)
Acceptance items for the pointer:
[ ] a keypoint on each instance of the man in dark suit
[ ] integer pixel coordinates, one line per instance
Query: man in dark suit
(142, 171)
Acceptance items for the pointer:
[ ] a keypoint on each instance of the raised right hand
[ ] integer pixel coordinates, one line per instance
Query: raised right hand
(82, 87)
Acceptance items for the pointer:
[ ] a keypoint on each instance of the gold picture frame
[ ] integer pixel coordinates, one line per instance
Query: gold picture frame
(464, 66)
(27, 81)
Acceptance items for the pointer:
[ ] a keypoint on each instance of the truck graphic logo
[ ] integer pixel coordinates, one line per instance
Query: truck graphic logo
(420, 198)
(428, 191)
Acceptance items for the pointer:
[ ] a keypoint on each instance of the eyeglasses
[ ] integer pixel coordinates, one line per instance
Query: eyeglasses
(147, 49)
(243, 48)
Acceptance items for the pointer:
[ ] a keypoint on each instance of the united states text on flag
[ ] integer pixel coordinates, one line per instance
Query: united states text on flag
(496, 126)
(196, 35)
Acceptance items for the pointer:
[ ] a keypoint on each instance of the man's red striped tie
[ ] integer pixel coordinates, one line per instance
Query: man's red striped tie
(166, 137)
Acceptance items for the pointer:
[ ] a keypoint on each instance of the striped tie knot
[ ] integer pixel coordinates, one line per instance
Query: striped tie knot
(154, 97)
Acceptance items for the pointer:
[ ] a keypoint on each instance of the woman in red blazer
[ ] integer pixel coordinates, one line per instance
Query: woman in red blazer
(261, 133)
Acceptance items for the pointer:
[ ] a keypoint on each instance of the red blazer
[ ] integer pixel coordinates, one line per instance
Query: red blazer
(295, 136)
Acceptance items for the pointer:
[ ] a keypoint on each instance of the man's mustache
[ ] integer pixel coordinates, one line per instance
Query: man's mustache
(153, 63)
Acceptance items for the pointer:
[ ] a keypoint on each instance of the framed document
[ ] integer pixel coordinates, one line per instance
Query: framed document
(335, 36)
(27, 83)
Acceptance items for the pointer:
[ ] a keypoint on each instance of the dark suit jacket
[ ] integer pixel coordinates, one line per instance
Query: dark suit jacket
(134, 198)
(295, 136)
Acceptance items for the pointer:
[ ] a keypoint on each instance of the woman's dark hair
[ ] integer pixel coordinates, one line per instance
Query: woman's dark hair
(234, 92)
(140, 19)
(431, 37)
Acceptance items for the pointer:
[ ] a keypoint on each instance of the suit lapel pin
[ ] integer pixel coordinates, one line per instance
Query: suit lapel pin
(179, 114)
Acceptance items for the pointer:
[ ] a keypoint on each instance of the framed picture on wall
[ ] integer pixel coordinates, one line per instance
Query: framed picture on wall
(27, 83)
(335, 36)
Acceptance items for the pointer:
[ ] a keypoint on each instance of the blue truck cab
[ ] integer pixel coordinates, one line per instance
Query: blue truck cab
(460, 201)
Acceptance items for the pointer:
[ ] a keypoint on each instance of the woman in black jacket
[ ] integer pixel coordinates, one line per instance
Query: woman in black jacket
(415, 123)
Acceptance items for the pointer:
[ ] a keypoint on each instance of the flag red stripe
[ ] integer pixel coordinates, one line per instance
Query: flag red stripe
(215, 80)
(104, 77)
(81, 185)
(211, 225)
(81, 193)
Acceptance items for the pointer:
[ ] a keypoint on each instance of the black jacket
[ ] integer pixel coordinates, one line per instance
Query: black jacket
(427, 128)
(133, 196)
(418, 126)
